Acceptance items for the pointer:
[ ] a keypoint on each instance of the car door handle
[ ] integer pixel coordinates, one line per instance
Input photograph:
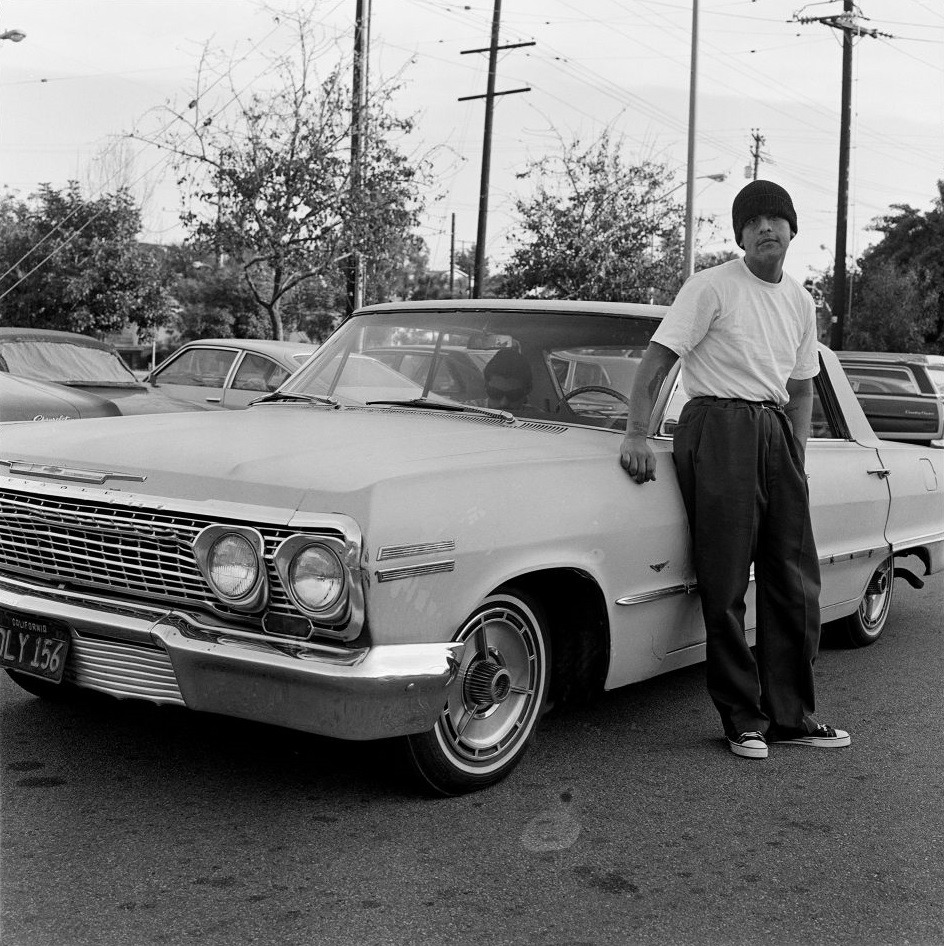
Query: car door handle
(881, 474)
(213, 400)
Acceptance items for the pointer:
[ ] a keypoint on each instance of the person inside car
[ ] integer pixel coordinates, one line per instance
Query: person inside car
(508, 380)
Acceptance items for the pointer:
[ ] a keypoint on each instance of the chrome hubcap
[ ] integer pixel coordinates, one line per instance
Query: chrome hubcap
(876, 599)
(487, 683)
(501, 679)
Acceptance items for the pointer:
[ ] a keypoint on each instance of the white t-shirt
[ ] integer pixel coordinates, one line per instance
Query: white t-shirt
(740, 336)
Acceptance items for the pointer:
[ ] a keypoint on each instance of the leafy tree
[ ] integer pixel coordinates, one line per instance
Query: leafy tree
(910, 255)
(890, 312)
(598, 227)
(74, 263)
(270, 178)
(212, 301)
(715, 258)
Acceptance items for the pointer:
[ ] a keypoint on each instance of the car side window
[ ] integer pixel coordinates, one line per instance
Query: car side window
(258, 373)
(891, 380)
(199, 367)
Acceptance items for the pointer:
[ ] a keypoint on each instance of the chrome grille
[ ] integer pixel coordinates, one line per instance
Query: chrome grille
(122, 669)
(130, 549)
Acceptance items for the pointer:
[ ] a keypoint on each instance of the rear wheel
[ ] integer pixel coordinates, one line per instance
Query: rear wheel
(865, 626)
(493, 709)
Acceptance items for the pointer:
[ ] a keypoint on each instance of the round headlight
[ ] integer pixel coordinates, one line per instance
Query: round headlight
(317, 577)
(232, 566)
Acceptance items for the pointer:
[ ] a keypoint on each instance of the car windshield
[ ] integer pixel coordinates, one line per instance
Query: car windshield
(65, 363)
(571, 366)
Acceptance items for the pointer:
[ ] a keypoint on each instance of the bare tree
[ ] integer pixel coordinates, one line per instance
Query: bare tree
(268, 173)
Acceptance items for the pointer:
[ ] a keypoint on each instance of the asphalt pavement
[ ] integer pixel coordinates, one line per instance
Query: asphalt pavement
(628, 823)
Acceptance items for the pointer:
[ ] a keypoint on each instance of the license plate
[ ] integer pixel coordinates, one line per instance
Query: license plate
(34, 645)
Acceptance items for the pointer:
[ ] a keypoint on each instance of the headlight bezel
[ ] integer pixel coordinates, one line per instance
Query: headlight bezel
(335, 612)
(257, 597)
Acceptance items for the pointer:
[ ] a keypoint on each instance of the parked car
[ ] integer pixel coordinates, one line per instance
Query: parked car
(349, 558)
(79, 362)
(902, 395)
(22, 399)
(227, 372)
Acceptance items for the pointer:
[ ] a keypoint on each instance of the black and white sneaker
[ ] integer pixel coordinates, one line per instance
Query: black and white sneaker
(750, 745)
(823, 737)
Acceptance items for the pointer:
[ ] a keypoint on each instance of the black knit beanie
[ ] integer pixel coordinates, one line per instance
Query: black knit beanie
(762, 197)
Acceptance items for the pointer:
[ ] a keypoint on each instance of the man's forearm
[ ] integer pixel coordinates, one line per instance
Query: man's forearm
(653, 369)
(800, 411)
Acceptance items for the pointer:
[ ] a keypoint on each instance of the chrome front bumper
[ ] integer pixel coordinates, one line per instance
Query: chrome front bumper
(165, 656)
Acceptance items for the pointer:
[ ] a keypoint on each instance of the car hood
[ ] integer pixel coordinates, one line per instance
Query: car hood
(24, 399)
(289, 456)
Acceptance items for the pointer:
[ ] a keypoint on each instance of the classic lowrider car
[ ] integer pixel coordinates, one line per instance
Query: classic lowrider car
(360, 557)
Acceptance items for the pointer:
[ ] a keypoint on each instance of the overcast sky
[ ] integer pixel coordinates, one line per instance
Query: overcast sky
(90, 70)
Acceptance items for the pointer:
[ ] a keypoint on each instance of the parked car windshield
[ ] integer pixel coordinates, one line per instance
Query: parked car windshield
(65, 363)
(534, 364)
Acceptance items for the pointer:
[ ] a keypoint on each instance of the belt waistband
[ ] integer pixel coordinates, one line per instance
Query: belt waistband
(711, 399)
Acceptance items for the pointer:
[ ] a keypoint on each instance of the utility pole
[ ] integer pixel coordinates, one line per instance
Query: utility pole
(355, 269)
(688, 256)
(759, 140)
(848, 23)
(452, 258)
(489, 96)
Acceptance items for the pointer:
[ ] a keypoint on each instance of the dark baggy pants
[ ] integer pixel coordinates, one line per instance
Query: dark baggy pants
(746, 495)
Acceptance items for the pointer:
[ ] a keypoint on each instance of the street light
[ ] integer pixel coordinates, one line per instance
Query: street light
(723, 176)
(15, 36)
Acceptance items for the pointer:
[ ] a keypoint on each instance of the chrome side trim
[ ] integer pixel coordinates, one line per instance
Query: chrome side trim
(849, 556)
(660, 593)
(414, 571)
(420, 548)
(689, 587)
(932, 538)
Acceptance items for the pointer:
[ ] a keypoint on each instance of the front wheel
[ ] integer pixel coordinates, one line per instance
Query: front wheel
(496, 701)
(866, 624)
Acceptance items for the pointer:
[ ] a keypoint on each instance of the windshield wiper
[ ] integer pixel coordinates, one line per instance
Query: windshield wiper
(424, 403)
(326, 399)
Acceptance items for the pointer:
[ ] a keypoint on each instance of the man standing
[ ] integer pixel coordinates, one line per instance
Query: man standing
(746, 334)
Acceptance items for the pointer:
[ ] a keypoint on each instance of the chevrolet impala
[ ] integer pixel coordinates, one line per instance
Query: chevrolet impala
(363, 556)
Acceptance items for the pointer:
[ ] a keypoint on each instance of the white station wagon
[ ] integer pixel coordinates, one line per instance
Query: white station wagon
(366, 554)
